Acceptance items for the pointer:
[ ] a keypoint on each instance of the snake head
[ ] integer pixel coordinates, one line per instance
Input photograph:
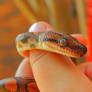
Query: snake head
(51, 41)
(63, 43)
(25, 41)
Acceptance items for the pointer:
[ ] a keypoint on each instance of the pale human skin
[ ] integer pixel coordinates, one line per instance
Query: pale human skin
(54, 72)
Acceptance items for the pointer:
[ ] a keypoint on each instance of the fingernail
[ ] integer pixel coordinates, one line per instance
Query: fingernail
(41, 27)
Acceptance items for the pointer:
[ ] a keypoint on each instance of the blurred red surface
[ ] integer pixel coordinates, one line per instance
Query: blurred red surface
(89, 21)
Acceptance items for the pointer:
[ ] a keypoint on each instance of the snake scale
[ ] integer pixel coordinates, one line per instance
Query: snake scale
(50, 41)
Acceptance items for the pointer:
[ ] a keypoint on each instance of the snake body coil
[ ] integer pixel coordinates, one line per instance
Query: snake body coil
(50, 41)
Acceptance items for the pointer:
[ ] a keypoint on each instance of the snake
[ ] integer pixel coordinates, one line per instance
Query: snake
(55, 42)
(61, 43)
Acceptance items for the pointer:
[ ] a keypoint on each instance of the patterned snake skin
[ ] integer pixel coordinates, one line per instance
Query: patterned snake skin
(50, 41)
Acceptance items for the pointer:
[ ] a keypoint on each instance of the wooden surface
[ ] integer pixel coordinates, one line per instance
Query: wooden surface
(61, 14)
(12, 22)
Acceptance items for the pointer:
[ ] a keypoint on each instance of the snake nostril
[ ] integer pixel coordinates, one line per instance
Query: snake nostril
(25, 39)
(26, 36)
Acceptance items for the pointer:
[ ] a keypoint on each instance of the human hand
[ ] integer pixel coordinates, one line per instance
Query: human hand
(54, 72)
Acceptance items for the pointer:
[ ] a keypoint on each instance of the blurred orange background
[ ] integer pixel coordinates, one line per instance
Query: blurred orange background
(12, 22)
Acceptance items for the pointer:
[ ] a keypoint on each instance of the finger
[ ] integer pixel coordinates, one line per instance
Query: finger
(24, 70)
(80, 38)
(40, 27)
(86, 68)
(56, 73)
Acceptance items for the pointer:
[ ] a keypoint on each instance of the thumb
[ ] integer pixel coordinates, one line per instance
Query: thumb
(56, 73)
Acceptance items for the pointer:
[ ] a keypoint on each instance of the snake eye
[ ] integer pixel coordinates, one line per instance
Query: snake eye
(63, 42)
